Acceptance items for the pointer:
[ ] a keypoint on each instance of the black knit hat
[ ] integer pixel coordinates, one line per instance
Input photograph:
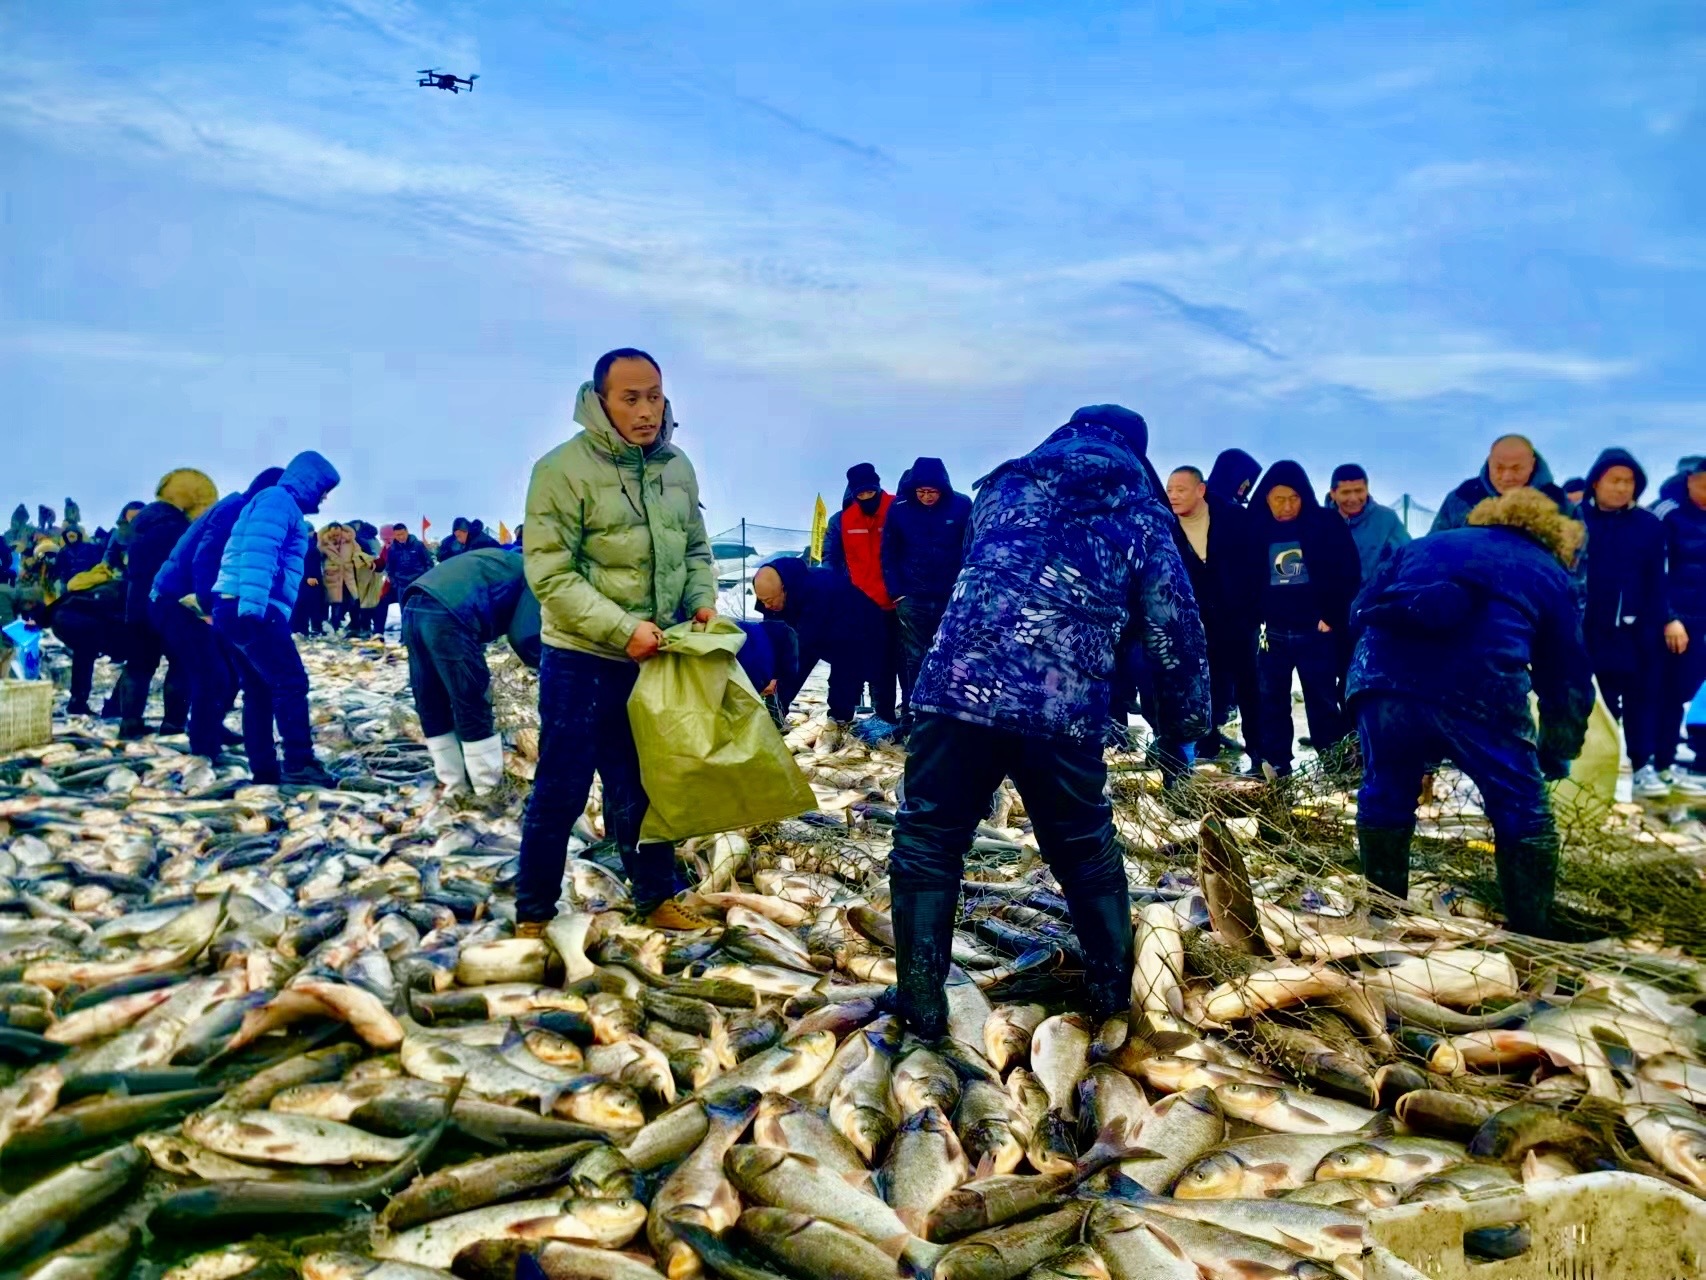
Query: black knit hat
(863, 476)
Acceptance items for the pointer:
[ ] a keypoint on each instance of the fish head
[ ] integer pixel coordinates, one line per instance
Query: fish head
(1358, 1160)
(624, 1213)
(1242, 1099)
(744, 1164)
(1217, 1176)
(613, 1104)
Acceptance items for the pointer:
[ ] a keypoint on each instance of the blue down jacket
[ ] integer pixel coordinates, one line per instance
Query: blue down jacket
(923, 547)
(194, 563)
(1471, 619)
(262, 564)
(1071, 582)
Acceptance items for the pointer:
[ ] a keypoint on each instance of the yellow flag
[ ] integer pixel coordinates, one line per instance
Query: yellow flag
(503, 534)
(820, 526)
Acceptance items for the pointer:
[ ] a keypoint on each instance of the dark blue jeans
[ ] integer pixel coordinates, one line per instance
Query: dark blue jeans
(193, 645)
(447, 672)
(1400, 738)
(1314, 656)
(583, 730)
(275, 689)
(951, 769)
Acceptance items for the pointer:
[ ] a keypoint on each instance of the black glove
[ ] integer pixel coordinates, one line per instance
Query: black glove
(1553, 769)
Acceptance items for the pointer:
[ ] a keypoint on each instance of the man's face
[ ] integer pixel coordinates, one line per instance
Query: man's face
(633, 400)
(399, 535)
(866, 495)
(927, 496)
(767, 586)
(1185, 493)
(1351, 497)
(1510, 465)
(1284, 503)
(1615, 490)
(1697, 490)
(462, 536)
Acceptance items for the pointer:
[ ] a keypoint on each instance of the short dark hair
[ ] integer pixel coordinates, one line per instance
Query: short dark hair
(403, 527)
(601, 370)
(1193, 471)
(1348, 473)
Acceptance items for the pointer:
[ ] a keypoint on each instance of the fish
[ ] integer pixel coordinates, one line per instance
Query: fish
(1134, 1249)
(783, 1180)
(555, 1260)
(787, 1125)
(605, 1223)
(1326, 1233)
(864, 1108)
(1181, 1130)
(1217, 1250)
(1007, 1034)
(1251, 1168)
(812, 1248)
(698, 1190)
(991, 1129)
(477, 1183)
(1287, 1111)
(1060, 1055)
(1392, 1159)
(1672, 1134)
(44, 1209)
(280, 1138)
(1004, 1252)
(1226, 889)
(925, 1162)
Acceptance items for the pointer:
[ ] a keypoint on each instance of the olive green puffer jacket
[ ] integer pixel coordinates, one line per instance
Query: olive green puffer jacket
(615, 537)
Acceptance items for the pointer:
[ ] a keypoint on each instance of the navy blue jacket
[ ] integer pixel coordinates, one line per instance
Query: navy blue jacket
(1685, 555)
(821, 607)
(194, 562)
(1229, 587)
(75, 558)
(923, 547)
(1233, 473)
(1454, 511)
(1627, 596)
(1293, 598)
(264, 557)
(153, 535)
(1472, 619)
(405, 563)
(1071, 583)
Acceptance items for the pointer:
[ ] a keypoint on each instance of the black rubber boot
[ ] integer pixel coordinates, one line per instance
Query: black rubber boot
(1386, 858)
(1102, 922)
(133, 731)
(1528, 877)
(923, 947)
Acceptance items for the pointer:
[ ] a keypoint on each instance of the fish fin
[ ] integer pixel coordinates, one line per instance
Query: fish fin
(912, 1219)
(1166, 1240)
(1151, 1041)
(1382, 1126)
(985, 1166)
(1296, 1245)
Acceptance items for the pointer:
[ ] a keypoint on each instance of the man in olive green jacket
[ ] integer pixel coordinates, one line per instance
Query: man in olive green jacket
(616, 551)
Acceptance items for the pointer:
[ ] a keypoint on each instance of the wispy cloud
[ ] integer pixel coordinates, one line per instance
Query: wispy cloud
(76, 343)
(1486, 372)
(1227, 322)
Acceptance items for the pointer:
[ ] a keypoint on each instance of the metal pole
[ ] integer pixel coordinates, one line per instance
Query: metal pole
(743, 578)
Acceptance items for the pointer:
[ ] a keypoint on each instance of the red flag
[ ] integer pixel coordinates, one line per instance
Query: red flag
(425, 525)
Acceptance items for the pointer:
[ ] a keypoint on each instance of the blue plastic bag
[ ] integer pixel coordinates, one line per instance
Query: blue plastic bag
(26, 649)
(1697, 709)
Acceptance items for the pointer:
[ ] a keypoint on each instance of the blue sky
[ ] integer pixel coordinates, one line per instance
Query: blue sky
(849, 231)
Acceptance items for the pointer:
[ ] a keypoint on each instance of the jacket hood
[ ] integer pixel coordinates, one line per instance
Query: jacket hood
(190, 491)
(1127, 422)
(794, 572)
(1610, 458)
(1292, 476)
(266, 480)
(589, 412)
(928, 473)
(475, 529)
(1233, 470)
(459, 525)
(308, 479)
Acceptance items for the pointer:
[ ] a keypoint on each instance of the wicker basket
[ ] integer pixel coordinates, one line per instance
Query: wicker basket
(1599, 1226)
(26, 714)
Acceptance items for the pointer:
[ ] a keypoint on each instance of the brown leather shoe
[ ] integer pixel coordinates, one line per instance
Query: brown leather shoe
(530, 928)
(675, 913)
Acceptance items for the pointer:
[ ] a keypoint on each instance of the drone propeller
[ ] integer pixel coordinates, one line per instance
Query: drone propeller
(473, 77)
(428, 72)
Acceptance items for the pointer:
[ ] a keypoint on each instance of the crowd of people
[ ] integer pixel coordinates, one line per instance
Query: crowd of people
(1006, 635)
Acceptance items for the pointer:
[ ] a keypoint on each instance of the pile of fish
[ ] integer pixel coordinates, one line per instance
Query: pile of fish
(233, 1011)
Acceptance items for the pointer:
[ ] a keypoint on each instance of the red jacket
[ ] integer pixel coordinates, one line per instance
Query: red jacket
(854, 546)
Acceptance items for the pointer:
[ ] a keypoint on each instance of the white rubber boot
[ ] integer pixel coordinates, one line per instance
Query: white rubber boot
(485, 763)
(446, 754)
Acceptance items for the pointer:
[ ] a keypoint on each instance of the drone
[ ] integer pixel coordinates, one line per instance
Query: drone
(435, 79)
